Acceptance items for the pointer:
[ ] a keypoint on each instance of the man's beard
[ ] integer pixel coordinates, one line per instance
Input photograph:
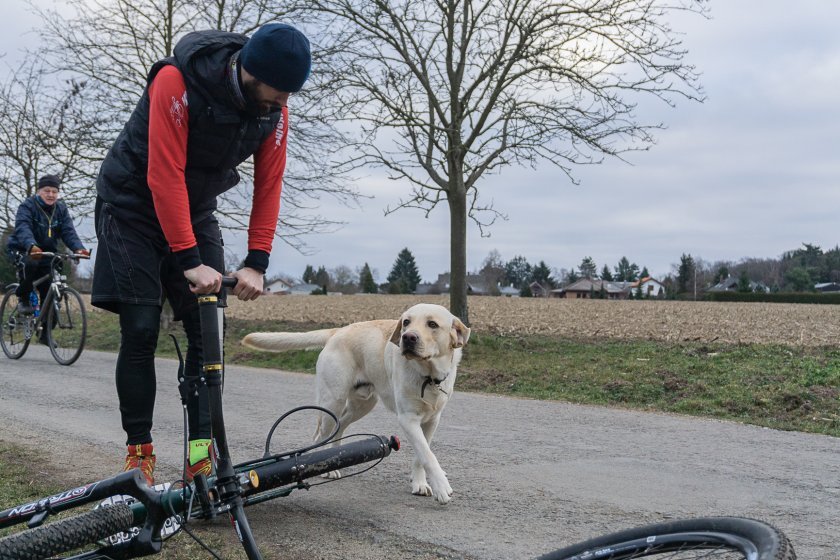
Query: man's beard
(252, 105)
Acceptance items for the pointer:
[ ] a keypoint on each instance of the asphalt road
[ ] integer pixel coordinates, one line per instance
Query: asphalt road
(529, 476)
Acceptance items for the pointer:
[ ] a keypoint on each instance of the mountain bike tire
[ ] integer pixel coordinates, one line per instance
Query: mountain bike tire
(718, 538)
(68, 534)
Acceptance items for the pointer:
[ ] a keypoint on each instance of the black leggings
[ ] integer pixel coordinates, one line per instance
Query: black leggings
(136, 381)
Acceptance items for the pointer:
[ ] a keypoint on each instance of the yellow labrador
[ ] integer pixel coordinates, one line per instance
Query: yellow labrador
(409, 364)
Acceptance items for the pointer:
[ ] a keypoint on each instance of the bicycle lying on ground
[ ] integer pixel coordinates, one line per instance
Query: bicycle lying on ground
(60, 319)
(139, 524)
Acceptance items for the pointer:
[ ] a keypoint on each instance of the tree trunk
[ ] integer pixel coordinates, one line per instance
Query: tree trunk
(457, 198)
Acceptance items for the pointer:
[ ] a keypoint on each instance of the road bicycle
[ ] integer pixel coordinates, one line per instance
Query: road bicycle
(133, 520)
(60, 319)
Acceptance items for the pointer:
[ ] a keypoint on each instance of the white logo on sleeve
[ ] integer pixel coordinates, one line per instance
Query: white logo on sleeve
(178, 110)
(278, 131)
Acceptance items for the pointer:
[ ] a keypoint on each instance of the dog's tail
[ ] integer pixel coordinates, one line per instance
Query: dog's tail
(282, 341)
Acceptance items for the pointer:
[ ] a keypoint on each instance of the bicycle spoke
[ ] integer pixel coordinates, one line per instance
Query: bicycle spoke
(688, 552)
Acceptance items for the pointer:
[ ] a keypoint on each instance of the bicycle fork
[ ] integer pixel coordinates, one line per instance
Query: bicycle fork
(227, 484)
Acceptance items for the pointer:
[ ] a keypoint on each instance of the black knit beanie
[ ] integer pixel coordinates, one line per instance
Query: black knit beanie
(278, 55)
(49, 181)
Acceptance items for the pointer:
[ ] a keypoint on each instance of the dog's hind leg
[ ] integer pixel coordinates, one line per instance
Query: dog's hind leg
(354, 408)
(361, 401)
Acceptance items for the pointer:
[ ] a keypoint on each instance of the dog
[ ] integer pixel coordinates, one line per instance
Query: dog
(409, 364)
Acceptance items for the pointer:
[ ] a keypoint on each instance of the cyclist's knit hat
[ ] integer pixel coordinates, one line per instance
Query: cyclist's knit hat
(49, 181)
(278, 55)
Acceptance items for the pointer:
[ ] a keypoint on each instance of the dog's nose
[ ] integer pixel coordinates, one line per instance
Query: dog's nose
(409, 339)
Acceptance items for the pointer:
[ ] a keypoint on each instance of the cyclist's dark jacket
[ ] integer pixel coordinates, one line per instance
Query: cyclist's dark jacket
(39, 224)
(221, 134)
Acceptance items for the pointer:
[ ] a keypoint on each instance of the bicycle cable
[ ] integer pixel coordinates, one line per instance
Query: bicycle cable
(267, 454)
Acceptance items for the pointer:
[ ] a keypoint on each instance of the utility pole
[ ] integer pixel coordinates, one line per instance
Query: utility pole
(695, 281)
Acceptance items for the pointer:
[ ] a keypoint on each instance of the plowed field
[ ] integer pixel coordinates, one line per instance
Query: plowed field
(673, 321)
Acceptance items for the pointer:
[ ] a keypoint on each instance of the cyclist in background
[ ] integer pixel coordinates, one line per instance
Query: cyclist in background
(220, 99)
(42, 220)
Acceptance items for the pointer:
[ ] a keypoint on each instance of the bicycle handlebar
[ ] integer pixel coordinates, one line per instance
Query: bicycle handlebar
(51, 254)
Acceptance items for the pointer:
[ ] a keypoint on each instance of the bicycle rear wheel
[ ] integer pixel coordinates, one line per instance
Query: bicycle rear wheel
(15, 326)
(719, 538)
(66, 325)
(68, 534)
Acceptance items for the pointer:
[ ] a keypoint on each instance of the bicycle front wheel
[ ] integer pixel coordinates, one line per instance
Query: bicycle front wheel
(66, 325)
(68, 534)
(720, 538)
(17, 327)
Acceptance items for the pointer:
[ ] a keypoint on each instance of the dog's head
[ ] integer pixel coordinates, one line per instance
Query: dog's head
(427, 331)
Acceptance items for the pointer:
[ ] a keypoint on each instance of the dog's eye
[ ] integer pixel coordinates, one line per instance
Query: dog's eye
(432, 325)
(406, 322)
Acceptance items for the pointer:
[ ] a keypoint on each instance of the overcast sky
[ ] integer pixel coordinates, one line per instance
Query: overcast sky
(752, 172)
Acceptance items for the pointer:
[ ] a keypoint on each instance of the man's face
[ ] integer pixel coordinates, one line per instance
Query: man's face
(263, 99)
(48, 194)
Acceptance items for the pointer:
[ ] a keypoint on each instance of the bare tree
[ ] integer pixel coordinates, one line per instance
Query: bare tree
(46, 126)
(493, 272)
(448, 91)
(113, 43)
(343, 279)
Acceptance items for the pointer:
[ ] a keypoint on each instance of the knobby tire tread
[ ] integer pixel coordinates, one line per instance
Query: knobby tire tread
(67, 534)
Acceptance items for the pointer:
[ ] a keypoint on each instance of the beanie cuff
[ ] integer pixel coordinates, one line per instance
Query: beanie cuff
(49, 181)
(278, 55)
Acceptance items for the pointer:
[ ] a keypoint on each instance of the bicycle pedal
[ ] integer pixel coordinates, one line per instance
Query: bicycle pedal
(37, 519)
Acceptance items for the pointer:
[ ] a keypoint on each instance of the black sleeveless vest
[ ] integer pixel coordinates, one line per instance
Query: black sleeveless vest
(221, 135)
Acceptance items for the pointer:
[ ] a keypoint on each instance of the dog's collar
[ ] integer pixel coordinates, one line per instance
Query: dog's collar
(432, 381)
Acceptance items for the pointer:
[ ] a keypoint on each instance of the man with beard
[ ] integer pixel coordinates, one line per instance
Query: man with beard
(220, 99)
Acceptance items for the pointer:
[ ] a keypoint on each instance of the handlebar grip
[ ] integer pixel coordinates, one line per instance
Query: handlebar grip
(227, 282)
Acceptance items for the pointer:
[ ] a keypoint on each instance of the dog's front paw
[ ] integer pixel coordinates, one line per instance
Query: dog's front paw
(421, 489)
(441, 489)
(444, 496)
(333, 475)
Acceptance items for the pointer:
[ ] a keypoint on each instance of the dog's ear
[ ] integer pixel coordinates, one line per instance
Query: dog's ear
(397, 334)
(460, 333)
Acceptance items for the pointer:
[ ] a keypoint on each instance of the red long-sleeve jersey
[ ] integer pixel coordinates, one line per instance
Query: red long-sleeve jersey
(168, 132)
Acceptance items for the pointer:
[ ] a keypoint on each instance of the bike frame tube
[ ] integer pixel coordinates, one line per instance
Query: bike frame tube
(131, 483)
(55, 283)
